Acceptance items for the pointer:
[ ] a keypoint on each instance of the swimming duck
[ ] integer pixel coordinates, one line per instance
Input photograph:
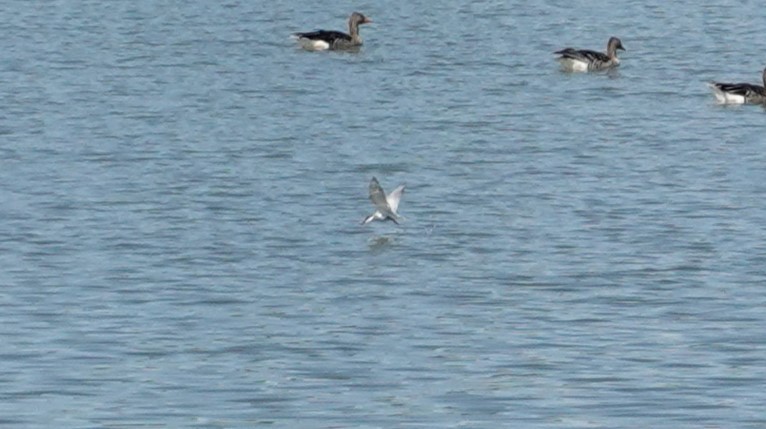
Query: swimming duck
(586, 60)
(321, 40)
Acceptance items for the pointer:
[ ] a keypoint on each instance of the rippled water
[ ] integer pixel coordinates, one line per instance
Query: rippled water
(182, 189)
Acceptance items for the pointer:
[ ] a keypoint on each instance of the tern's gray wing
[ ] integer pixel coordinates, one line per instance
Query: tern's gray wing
(394, 197)
(378, 198)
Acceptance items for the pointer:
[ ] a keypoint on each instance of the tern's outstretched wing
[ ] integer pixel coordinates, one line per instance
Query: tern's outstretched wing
(394, 197)
(378, 198)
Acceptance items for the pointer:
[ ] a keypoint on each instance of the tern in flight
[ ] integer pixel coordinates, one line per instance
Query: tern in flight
(385, 205)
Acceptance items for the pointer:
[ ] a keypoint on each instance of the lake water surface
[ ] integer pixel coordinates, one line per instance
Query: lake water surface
(182, 189)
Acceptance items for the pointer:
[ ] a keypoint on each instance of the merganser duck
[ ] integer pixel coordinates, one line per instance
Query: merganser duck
(586, 60)
(321, 40)
(740, 93)
(385, 206)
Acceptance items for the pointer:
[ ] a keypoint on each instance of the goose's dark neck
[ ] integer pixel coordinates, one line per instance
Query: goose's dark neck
(353, 30)
(611, 51)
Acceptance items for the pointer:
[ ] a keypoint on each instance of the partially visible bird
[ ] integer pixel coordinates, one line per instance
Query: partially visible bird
(740, 93)
(385, 205)
(586, 60)
(321, 40)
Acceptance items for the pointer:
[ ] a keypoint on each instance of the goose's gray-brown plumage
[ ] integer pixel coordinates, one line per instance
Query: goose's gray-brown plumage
(586, 60)
(740, 93)
(325, 39)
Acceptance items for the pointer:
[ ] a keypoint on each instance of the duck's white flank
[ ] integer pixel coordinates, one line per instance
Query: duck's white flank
(313, 45)
(574, 65)
(726, 97)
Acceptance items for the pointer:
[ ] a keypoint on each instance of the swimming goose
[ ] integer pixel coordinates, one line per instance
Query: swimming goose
(740, 93)
(385, 206)
(321, 40)
(585, 60)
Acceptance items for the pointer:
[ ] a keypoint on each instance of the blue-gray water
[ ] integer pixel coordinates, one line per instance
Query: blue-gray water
(182, 189)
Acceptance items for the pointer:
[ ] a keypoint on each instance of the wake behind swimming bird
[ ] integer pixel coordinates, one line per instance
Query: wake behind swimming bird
(385, 205)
